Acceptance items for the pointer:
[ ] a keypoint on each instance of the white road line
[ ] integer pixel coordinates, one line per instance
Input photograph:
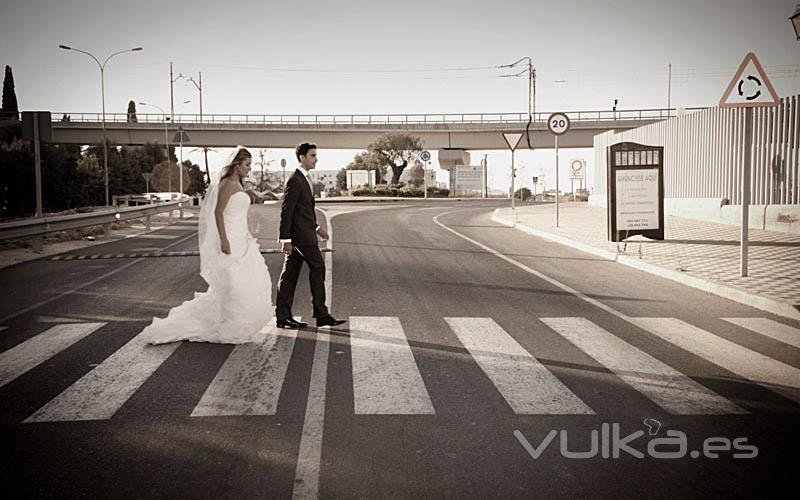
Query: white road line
(250, 380)
(662, 384)
(769, 328)
(779, 371)
(386, 380)
(31, 353)
(102, 391)
(525, 383)
(751, 365)
(306, 475)
(88, 283)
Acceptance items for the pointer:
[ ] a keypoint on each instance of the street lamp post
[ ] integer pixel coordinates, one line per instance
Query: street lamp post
(795, 20)
(199, 86)
(166, 141)
(102, 67)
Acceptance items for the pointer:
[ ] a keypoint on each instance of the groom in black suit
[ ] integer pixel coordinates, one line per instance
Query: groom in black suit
(298, 237)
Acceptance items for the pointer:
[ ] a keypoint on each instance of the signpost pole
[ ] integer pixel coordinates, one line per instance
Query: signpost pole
(556, 180)
(748, 144)
(513, 174)
(38, 166)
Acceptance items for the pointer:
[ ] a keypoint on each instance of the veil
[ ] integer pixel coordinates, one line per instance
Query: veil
(211, 256)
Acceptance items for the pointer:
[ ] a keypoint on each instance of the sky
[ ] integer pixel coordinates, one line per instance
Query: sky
(380, 56)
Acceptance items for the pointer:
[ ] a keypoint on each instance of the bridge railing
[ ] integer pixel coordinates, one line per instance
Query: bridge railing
(368, 119)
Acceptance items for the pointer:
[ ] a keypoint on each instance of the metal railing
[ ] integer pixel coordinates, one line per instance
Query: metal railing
(36, 228)
(366, 119)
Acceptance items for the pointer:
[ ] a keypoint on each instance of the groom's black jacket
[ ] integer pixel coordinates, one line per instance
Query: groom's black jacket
(298, 219)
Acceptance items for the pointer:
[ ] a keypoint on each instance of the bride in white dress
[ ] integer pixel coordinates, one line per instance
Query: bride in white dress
(237, 306)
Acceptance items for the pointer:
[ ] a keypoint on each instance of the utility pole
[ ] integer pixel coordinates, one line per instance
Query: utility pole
(669, 88)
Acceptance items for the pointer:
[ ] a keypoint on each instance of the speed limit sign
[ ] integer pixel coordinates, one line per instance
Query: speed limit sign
(558, 123)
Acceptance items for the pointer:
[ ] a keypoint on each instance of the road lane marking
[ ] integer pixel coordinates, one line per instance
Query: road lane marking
(86, 284)
(525, 383)
(662, 384)
(309, 457)
(780, 372)
(386, 379)
(250, 380)
(34, 351)
(101, 392)
(751, 365)
(769, 328)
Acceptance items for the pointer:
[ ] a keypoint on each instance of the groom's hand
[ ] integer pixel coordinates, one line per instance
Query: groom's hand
(287, 248)
(322, 234)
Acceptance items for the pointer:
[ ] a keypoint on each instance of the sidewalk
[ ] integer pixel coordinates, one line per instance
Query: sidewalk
(13, 256)
(700, 254)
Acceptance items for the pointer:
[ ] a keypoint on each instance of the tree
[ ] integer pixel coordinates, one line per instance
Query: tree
(417, 174)
(396, 150)
(366, 160)
(132, 112)
(523, 194)
(197, 179)
(9, 105)
(341, 179)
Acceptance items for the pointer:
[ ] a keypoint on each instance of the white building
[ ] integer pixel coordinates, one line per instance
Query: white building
(358, 178)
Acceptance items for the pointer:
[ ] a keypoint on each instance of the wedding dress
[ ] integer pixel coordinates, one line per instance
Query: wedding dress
(237, 306)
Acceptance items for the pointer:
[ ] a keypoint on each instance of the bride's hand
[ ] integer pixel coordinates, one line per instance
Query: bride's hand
(226, 247)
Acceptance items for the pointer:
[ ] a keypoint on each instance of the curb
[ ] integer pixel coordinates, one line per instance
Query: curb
(773, 306)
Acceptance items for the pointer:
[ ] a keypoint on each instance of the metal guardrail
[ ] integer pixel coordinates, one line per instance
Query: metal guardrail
(361, 119)
(37, 227)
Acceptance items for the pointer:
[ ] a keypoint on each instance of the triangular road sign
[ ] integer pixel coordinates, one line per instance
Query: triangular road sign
(750, 87)
(512, 139)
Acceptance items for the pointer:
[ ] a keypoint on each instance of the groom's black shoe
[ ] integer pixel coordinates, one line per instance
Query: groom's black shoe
(330, 321)
(290, 323)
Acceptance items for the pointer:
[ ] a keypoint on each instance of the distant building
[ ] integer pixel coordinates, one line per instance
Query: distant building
(326, 177)
(359, 178)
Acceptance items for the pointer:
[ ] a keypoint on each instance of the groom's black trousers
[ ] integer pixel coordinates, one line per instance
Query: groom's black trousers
(311, 255)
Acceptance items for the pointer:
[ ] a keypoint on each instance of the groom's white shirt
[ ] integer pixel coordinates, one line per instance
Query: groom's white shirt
(310, 186)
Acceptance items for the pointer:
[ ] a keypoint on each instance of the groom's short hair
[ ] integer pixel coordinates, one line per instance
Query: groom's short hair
(303, 149)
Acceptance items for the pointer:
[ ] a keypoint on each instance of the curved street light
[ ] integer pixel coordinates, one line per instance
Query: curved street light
(166, 139)
(102, 67)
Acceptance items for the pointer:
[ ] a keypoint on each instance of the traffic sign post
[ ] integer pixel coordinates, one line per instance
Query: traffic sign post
(749, 88)
(512, 139)
(576, 172)
(425, 156)
(558, 123)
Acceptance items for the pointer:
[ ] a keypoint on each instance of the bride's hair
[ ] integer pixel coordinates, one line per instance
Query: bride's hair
(241, 155)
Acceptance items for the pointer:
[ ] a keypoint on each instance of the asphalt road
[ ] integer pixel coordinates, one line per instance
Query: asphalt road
(475, 360)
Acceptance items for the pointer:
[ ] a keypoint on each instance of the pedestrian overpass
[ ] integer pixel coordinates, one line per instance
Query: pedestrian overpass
(467, 131)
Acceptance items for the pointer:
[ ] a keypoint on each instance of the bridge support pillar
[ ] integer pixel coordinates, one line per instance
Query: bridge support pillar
(451, 158)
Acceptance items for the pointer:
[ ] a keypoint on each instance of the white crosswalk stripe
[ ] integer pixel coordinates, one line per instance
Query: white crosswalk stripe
(751, 365)
(769, 328)
(386, 379)
(665, 386)
(102, 391)
(33, 352)
(525, 383)
(250, 380)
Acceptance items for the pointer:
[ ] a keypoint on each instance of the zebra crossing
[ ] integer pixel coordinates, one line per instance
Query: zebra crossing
(387, 380)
